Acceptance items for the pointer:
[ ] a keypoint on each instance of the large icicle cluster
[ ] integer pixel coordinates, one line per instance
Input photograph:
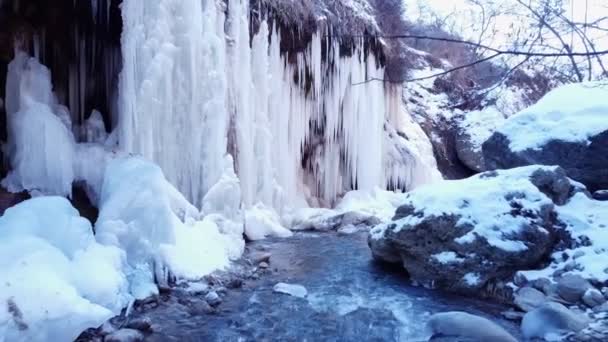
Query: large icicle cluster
(302, 130)
(172, 90)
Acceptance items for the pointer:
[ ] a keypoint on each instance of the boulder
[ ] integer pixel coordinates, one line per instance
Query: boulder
(528, 299)
(568, 127)
(464, 235)
(600, 195)
(572, 287)
(593, 298)
(552, 319)
(466, 327)
(213, 298)
(473, 129)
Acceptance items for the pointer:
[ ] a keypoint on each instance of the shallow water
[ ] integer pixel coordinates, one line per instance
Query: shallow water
(350, 298)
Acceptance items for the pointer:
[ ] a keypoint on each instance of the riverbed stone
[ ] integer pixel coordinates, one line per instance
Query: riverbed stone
(572, 287)
(125, 335)
(593, 298)
(529, 298)
(469, 327)
(141, 323)
(213, 298)
(294, 290)
(550, 318)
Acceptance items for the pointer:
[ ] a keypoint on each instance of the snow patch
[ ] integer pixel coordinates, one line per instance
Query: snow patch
(571, 113)
(294, 290)
(447, 257)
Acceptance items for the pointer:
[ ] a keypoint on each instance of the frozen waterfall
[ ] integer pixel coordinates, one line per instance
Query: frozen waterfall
(194, 87)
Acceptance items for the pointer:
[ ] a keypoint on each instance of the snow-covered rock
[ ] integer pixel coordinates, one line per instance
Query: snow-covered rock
(460, 235)
(477, 126)
(585, 252)
(462, 325)
(125, 335)
(294, 290)
(568, 127)
(55, 279)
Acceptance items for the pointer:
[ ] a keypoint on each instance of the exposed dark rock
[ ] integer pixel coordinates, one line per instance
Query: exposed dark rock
(143, 324)
(586, 162)
(9, 199)
(601, 195)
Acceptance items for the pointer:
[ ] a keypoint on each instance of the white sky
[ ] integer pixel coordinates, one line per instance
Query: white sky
(459, 9)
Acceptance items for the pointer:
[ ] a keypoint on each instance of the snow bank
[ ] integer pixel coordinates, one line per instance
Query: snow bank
(55, 280)
(262, 222)
(483, 201)
(587, 223)
(378, 203)
(141, 213)
(41, 147)
(479, 125)
(361, 207)
(571, 113)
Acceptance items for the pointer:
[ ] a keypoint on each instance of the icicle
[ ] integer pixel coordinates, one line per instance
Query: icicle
(173, 90)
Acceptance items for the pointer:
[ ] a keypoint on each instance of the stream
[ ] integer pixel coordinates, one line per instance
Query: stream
(350, 298)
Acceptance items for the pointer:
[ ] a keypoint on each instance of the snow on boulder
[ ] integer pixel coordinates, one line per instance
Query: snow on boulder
(586, 252)
(143, 214)
(568, 127)
(473, 130)
(55, 279)
(461, 235)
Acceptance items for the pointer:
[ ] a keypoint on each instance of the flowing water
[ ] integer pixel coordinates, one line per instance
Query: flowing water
(350, 298)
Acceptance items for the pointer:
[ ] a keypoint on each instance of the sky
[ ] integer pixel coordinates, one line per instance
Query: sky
(462, 15)
(576, 10)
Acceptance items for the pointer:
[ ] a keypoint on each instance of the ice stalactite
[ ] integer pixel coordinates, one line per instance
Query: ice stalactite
(173, 90)
(197, 84)
(40, 145)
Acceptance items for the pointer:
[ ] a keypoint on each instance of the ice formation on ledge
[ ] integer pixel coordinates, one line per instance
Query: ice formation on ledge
(144, 215)
(40, 145)
(195, 86)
